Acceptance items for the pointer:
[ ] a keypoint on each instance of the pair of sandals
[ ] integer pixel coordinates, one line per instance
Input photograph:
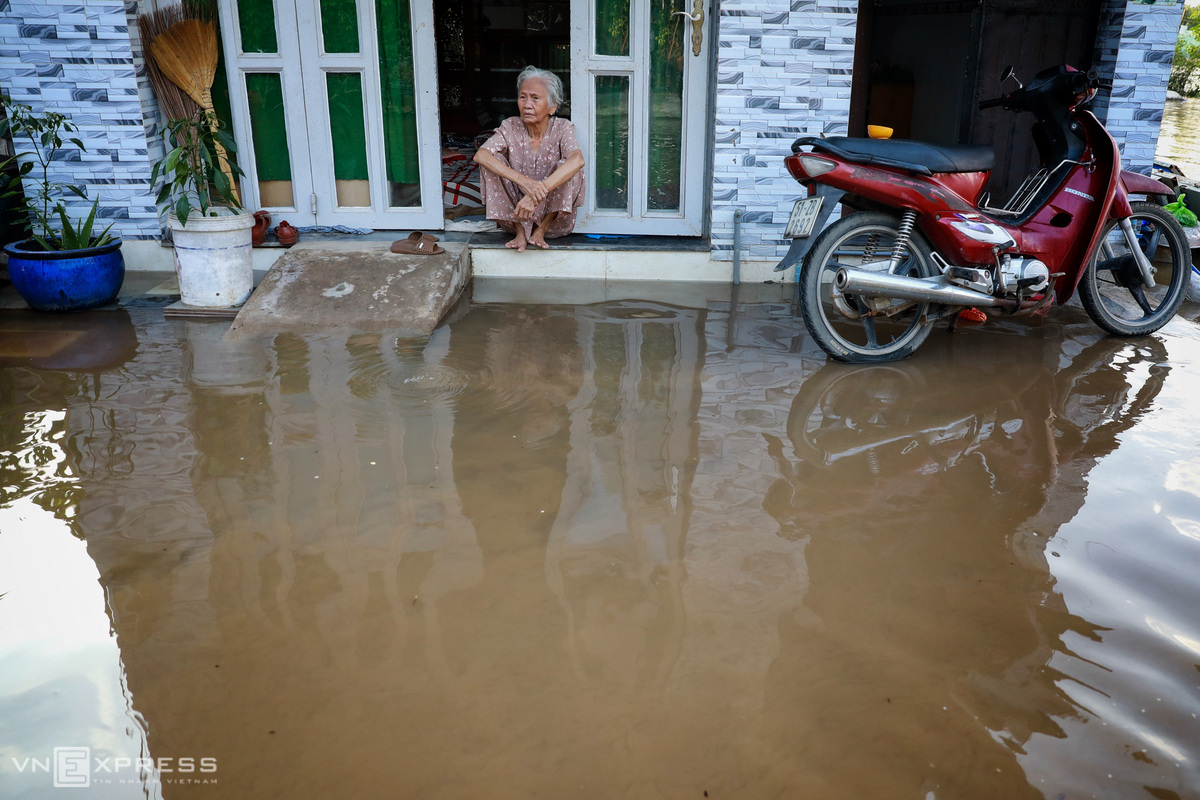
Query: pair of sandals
(418, 243)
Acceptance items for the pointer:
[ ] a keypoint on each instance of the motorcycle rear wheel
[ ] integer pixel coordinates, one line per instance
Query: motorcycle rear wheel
(839, 321)
(1111, 289)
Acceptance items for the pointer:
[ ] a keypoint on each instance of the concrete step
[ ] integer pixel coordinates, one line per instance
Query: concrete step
(366, 287)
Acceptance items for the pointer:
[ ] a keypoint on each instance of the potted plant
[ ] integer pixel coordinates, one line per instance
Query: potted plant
(212, 238)
(60, 266)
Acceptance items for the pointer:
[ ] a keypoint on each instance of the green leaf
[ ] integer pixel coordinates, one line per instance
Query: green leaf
(85, 231)
(103, 238)
(182, 209)
(222, 184)
(69, 238)
(227, 141)
(77, 191)
(79, 144)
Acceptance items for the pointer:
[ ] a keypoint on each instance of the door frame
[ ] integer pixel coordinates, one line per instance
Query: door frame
(307, 118)
(690, 219)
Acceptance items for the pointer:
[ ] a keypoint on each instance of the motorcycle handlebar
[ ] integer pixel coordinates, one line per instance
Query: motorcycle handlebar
(999, 101)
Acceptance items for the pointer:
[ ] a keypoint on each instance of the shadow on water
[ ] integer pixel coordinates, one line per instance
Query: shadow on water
(633, 549)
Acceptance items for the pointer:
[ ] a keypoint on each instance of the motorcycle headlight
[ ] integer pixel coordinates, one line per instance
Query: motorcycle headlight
(815, 166)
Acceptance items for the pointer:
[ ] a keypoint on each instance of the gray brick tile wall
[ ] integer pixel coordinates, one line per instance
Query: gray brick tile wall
(784, 71)
(85, 60)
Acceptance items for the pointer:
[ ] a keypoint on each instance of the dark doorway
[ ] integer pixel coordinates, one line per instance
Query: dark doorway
(921, 68)
(482, 46)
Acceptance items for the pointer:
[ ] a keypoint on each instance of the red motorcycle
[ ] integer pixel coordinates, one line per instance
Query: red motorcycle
(923, 242)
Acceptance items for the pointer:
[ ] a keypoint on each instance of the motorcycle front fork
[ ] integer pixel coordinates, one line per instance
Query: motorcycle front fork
(1135, 247)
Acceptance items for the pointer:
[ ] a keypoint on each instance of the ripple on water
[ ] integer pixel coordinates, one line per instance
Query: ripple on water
(428, 381)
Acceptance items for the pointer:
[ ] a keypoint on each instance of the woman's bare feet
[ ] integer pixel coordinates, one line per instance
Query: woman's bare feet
(519, 241)
(538, 237)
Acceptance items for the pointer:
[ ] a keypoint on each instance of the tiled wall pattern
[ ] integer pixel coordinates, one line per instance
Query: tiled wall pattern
(1108, 45)
(78, 58)
(1137, 43)
(783, 70)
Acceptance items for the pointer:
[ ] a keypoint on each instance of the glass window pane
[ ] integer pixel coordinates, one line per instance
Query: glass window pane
(612, 27)
(667, 43)
(612, 141)
(399, 95)
(339, 25)
(256, 19)
(268, 130)
(349, 133)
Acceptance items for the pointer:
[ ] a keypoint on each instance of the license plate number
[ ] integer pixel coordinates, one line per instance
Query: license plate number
(804, 216)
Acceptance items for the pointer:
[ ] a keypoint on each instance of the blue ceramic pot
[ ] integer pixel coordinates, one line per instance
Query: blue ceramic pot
(66, 280)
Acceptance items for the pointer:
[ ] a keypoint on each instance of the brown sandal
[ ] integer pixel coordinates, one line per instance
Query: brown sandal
(418, 243)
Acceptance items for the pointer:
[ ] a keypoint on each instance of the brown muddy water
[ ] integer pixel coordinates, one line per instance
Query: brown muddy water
(629, 549)
(1179, 136)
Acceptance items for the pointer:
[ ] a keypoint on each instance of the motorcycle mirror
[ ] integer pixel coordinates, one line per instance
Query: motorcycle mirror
(1009, 72)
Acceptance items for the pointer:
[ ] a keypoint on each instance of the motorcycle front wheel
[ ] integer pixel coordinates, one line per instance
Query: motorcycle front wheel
(1112, 291)
(849, 327)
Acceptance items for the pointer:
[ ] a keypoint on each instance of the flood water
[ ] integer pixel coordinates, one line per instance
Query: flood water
(627, 549)
(1179, 136)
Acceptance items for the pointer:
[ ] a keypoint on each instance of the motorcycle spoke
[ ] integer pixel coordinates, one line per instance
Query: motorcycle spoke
(868, 323)
(1140, 296)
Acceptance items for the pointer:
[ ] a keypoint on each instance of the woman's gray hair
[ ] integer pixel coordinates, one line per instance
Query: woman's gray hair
(554, 87)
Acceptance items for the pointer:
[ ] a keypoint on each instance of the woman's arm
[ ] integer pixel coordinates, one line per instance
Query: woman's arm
(535, 189)
(488, 160)
(567, 169)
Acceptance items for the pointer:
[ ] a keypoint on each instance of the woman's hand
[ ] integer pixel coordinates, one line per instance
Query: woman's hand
(525, 207)
(535, 189)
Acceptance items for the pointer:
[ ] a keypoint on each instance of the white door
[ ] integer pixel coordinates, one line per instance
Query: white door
(335, 110)
(639, 89)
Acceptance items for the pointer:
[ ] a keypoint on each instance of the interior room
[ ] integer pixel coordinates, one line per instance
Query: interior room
(921, 68)
(482, 47)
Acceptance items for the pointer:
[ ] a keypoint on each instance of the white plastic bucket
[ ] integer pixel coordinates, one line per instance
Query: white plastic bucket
(213, 260)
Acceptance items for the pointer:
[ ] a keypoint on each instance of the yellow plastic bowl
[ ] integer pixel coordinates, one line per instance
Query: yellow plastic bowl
(879, 132)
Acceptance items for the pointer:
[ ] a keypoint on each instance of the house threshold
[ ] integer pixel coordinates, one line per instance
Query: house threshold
(576, 256)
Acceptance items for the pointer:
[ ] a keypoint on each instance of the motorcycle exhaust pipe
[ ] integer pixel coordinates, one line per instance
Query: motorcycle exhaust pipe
(931, 290)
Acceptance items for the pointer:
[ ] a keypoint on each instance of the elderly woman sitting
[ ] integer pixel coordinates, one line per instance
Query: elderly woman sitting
(532, 167)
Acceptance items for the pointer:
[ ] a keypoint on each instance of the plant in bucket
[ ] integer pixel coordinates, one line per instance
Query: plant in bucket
(212, 238)
(61, 266)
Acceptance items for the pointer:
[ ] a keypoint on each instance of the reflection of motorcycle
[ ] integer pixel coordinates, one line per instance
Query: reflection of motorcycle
(867, 413)
(876, 427)
(924, 242)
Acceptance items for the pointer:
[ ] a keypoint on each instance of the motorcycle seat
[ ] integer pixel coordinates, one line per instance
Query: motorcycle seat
(922, 158)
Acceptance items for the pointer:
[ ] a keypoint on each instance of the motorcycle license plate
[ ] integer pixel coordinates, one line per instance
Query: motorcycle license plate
(804, 216)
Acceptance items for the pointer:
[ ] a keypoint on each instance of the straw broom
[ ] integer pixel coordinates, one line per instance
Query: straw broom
(186, 53)
(174, 101)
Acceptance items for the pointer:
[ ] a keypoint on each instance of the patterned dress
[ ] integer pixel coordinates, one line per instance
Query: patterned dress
(510, 143)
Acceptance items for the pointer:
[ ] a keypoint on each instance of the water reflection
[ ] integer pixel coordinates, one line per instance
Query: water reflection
(66, 712)
(1179, 136)
(929, 507)
(634, 549)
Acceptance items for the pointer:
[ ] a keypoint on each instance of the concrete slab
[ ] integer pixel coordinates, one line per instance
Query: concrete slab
(364, 288)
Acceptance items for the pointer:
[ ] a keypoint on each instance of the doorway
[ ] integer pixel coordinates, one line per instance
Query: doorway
(921, 68)
(364, 113)
(634, 75)
(334, 120)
